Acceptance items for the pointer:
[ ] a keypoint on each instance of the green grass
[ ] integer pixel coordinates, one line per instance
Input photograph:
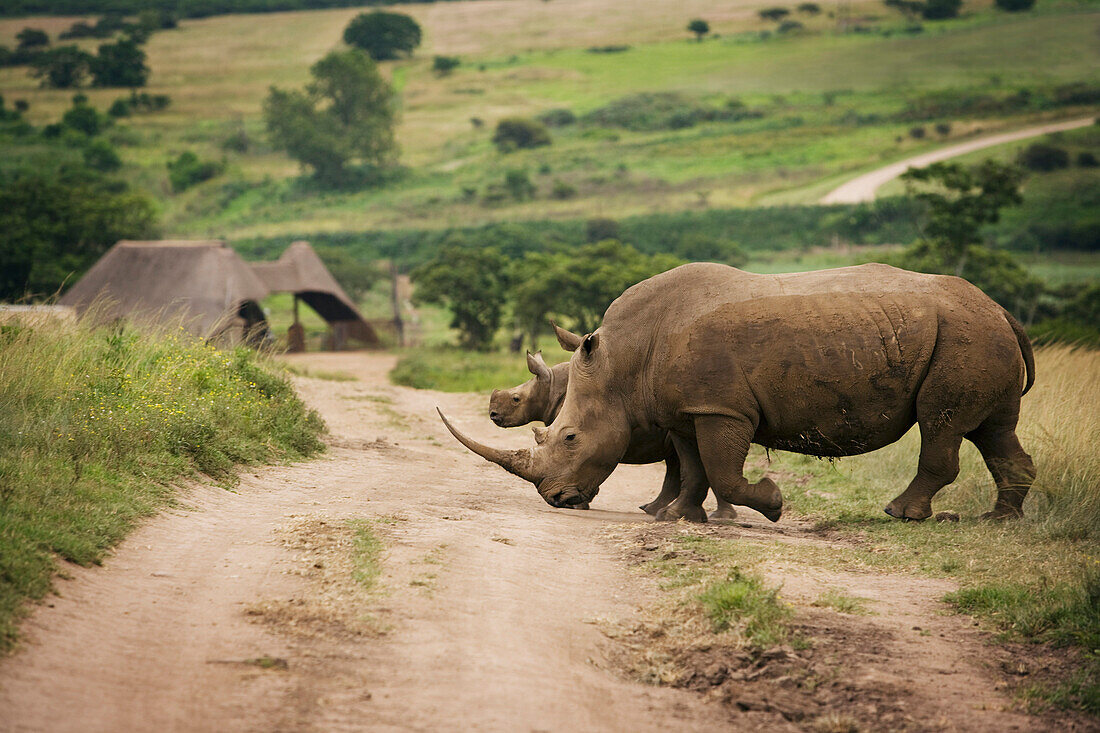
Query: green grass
(366, 555)
(743, 604)
(449, 369)
(842, 602)
(98, 424)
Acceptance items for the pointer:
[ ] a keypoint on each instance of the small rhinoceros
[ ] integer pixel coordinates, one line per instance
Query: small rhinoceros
(540, 399)
(829, 363)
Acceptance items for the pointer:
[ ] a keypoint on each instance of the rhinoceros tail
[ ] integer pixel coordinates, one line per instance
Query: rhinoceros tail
(1025, 350)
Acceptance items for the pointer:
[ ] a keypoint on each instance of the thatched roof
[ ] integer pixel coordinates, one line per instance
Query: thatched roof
(205, 282)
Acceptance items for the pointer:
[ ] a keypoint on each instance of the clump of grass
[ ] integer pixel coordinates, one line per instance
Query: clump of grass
(98, 423)
(454, 370)
(301, 371)
(839, 601)
(743, 604)
(366, 555)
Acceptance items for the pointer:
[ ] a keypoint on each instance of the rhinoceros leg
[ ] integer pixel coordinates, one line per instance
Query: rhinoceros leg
(723, 446)
(937, 467)
(1011, 466)
(670, 489)
(688, 504)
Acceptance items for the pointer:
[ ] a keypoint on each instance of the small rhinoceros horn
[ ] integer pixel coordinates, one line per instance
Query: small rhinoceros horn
(514, 461)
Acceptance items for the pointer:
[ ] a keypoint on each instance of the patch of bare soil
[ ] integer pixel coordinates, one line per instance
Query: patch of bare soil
(241, 611)
(903, 663)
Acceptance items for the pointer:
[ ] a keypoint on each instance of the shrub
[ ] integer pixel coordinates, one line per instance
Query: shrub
(789, 26)
(32, 38)
(63, 67)
(444, 65)
(187, 170)
(941, 9)
(519, 185)
(563, 190)
(1014, 6)
(774, 14)
(83, 117)
(943, 128)
(917, 133)
(664, 111)
(520, 132)
(601, 229)
(120, 64)
(101, 156)
(383, 35)
(557, 117)
(613, 48)
(809, 8)
(1085, 159)
(1043, 157)
(119, 108)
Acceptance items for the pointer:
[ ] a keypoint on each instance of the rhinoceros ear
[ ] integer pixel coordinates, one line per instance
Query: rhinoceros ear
(591, 341)
(568, 340)
(537, 366)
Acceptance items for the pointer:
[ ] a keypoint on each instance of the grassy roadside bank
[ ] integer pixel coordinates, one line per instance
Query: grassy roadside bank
(98, 424)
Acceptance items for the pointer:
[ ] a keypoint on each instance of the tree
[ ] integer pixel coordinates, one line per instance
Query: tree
(344, 116)
(472, 282)
(809, 8)
(1014, 6)
(443, 65)
(520, 132)
(941, 9)
(32, 39)
(958, 202)
(774, 14)
(55, 227)
(84, 118)
(699, 27)
(383, 35)
(120, 64)
(100, 155)
(1043, 157)
(64, 67)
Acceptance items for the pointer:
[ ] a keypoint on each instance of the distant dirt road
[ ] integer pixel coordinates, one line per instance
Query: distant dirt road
(488, 615)
(863, 188)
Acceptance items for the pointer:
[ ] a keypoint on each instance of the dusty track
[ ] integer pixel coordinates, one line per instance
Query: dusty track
(488, 602)
(863, 188)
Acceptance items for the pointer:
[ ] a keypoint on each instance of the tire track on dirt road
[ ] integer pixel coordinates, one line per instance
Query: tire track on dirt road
(491, 602)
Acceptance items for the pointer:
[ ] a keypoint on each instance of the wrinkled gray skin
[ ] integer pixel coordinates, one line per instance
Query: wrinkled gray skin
(830, 363)
(540, 400)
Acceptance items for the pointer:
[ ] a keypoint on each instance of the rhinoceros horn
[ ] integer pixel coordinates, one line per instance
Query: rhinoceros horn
(514, 461)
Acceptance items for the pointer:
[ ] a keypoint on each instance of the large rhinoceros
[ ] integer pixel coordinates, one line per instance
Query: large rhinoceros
(540, 399)
(829, 363)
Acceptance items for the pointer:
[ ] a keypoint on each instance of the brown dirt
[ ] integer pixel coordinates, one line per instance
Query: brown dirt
(233, 612)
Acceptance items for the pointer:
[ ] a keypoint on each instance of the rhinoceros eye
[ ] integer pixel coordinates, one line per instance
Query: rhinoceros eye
(515, 399)
(570, 436)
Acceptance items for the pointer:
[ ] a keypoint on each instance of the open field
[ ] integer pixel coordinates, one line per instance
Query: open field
(830, 105)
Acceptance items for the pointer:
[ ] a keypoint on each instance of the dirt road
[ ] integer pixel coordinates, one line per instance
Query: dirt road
(863, 188)
(488, 615)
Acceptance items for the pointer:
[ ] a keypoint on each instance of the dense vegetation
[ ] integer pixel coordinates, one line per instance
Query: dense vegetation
(185, 8)
(97, 424)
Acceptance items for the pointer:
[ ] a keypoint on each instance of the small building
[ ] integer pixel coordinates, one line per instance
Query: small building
(203, 284)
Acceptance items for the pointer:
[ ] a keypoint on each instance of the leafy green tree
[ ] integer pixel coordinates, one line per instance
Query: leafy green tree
(472, 282)
(520, 132)
(958, 202)
(443, 65)
(55, 227)
(1014, 6)
(699, 27)
(63, 67)
(809, 8)
(32, 39)
(383, 35)
(188, 170)
(344, 116)
(120, 64)
(941, 9)
(774, 14)
(83, 117)
(100, 155)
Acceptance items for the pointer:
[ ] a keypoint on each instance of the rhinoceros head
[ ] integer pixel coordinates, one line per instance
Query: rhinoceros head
(526, 403)
(577, 453)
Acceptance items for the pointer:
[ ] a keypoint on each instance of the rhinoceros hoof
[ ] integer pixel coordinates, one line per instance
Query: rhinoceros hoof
(908, 512)
(772, 506)
(671, 513)
(723, 514)
(652, 508)
(1001, 514)
(582, 505)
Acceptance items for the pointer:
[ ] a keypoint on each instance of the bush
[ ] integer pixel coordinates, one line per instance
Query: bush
(383, 35)
(773, 14)
(520, 132)
(444, 65)
(32, 38)
(557, 117)
(100, 155)
(1043, 157)
(664, 111)
(563, 190)
(1014, 6)
(917, 133)
(612, 48)
(699, 27)
(789, 26)
(63, 67)
(601, 229)
(187, 170)
(119, 108)
(83, 117)
(1085, 159)
(518, 184)
(809, 8)
(941, 9)
(943, 128)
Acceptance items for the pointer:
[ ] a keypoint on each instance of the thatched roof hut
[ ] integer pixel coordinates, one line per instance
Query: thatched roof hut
(204, 283)
(300, 271)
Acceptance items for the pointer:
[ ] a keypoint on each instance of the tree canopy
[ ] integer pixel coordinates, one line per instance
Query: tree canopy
(344, 116)
(382, 34)
(472, 282)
